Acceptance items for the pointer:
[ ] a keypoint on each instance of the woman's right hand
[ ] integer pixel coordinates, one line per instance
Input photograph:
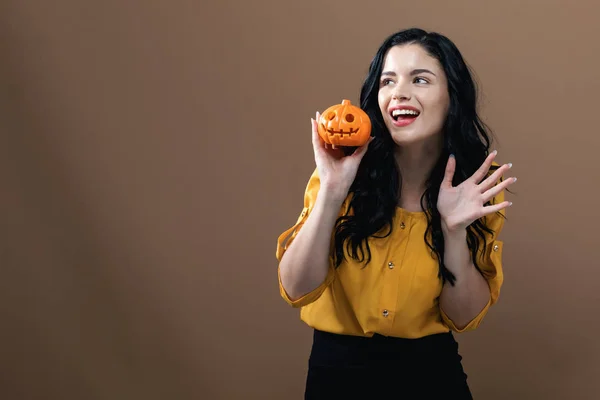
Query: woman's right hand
(336, 171)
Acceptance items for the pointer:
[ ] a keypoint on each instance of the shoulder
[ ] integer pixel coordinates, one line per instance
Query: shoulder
(314, 181)
(312, 190)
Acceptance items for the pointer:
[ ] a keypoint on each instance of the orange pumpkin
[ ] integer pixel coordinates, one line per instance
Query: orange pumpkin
(344, 125)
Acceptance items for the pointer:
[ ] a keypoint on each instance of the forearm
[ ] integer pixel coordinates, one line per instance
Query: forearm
(305, 264)
(470, 293)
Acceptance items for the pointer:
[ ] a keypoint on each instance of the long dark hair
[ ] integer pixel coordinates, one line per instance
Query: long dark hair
(376, 188)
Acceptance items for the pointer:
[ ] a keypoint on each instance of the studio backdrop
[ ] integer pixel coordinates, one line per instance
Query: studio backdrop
(151, 152)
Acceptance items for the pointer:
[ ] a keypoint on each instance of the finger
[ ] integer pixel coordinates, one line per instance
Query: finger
(315, 126)
(485, 167)
(495, 177)
(449, 173)
(324, 144)
(494, 208)
(332, 150)
(495, 190)
(316, 139)
(319, 144)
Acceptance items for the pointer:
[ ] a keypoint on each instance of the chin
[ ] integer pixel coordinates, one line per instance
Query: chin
(405, 136)
(414, 138)
(412, 134)
(404, 141)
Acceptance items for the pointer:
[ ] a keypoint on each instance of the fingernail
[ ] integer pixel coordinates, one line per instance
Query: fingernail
(495, 152)
(509, 165)
(514, 179)
(452, 155)
(510, 204)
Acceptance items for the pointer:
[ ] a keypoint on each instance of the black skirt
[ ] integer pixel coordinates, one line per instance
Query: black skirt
(351, 367)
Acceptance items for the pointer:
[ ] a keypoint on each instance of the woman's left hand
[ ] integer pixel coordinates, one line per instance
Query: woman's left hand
(461, 205)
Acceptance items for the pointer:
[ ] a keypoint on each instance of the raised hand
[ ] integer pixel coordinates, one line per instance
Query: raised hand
(336, 171)
(460, 206)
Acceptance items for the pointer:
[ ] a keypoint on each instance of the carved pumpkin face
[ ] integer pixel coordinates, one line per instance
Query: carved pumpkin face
(344, 125)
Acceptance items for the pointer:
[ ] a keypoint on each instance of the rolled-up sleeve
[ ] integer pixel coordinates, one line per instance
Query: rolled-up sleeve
(286, 238)
(309, 297)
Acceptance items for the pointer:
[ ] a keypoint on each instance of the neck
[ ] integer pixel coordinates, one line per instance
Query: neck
(415, 164)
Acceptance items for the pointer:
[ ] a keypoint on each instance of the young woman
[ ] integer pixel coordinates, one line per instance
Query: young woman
(397, 245)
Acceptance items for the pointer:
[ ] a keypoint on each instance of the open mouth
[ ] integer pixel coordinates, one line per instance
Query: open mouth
(404, 114)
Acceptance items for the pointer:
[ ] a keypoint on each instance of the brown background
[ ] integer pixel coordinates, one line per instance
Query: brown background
(152, 151)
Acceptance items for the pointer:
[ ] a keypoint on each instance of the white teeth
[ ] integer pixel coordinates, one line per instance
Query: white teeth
(395, 113)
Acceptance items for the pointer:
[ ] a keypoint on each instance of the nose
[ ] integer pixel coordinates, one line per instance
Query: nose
(401, 92)
(400, 95)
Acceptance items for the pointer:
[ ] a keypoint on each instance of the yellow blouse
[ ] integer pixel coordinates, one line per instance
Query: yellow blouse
(397, 294)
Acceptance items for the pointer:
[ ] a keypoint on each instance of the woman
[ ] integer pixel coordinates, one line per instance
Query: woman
(396, 246)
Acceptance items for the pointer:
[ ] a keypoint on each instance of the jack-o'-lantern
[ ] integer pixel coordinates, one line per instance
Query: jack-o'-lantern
(344, 125)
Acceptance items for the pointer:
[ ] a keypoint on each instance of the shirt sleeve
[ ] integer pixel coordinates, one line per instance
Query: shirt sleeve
(490, 264)
(286, 238)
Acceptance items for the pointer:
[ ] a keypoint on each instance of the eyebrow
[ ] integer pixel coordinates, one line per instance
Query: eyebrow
(413, 72)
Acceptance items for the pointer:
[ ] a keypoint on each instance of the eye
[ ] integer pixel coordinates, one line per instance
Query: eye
(420, 79)
(331, 116)
(349, 118)
(386, 81)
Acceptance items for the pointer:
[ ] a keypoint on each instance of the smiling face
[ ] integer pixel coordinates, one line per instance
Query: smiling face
(413, 95)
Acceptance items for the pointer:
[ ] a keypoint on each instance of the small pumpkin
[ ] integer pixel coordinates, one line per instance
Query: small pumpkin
(344, 125)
